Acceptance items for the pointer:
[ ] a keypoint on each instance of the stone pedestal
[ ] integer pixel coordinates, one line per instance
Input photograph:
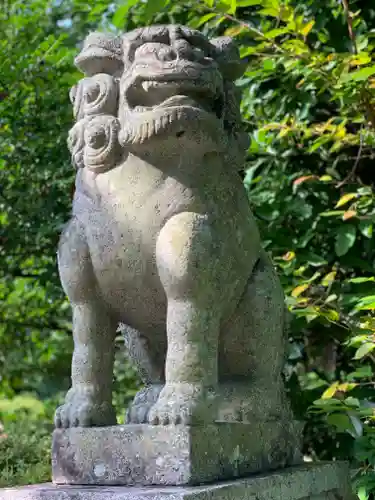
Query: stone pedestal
(309, 482)
(173, 455)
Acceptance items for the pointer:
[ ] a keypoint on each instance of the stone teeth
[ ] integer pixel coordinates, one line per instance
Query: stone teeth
(146, 85)
(140, 109)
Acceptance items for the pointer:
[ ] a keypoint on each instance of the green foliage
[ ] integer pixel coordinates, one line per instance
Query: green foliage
(38, 43)
(25, 441)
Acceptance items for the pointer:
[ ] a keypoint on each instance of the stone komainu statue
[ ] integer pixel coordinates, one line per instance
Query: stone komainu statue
(162, 240)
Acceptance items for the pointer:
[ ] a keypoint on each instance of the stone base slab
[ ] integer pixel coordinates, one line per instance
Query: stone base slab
(328, 481)
(145, 455)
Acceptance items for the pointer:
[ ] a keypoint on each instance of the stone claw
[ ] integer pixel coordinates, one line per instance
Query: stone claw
(186, 404)
(82, 410)
(139, 409)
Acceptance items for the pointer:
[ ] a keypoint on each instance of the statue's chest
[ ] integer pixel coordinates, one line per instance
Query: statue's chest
(121, 235)
(122, 232)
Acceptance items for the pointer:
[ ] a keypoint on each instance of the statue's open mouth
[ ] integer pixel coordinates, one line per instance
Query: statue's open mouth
(150, 95)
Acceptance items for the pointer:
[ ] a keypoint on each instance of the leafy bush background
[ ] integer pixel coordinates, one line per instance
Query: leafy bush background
(308, 101)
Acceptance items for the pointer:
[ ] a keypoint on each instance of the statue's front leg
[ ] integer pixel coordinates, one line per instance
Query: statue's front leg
(89, 401)
(191, 370)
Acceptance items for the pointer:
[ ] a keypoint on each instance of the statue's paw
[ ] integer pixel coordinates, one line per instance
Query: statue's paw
(187, 404)
(84, 411)
(142, 403)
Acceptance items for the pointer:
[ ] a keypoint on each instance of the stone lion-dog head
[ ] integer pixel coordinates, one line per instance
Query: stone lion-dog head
(153, 83)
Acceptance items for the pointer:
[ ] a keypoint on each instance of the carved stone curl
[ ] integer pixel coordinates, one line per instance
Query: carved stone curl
(93, 141)
(102, 149)
(95, 96)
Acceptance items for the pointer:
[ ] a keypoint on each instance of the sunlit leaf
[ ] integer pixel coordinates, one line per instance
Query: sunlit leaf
(364, 350)
(249, 3)
(331, 315)
(346, 387)
(360, 280)
(275, 33)
(289, 256)
(269, 65)
(360, 59)
(304, 178)
(329, 278)
(270, 11)
(325, 178)
(359, 75)
(204, 19)
(366, 228)
(345, 199)
(234, 30)
(349, 214)
(363, 493)
(307, 28)
(299, 290)
(331, 391)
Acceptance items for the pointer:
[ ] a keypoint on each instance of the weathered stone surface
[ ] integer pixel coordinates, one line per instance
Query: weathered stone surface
(311, 482)
(168, 455)
(162, 240)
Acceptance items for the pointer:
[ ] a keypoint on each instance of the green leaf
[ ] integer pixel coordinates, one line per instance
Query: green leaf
(204, 19)
(275, 33)
(249, 3)
(332, 213)
(234, 30)
(345, 199)
(315, 260)
(360, 373)
(269, 65)
(363, 493)
(345, 239)
(366, 228)
(357, 425)
(360, 75)
(154, 6)
(118, 18)
(341, 421)
(299, 290)
(307, 28)
(369, 306)
(331, 391)
(270, 11)
(360, 280)
(329, 278)
(364, 350)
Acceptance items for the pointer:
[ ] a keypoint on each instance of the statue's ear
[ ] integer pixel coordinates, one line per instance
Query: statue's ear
(101, 53)
(228, 57)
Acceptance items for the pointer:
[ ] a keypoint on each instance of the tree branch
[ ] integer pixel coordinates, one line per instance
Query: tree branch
(356, 163)
(349, 19)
